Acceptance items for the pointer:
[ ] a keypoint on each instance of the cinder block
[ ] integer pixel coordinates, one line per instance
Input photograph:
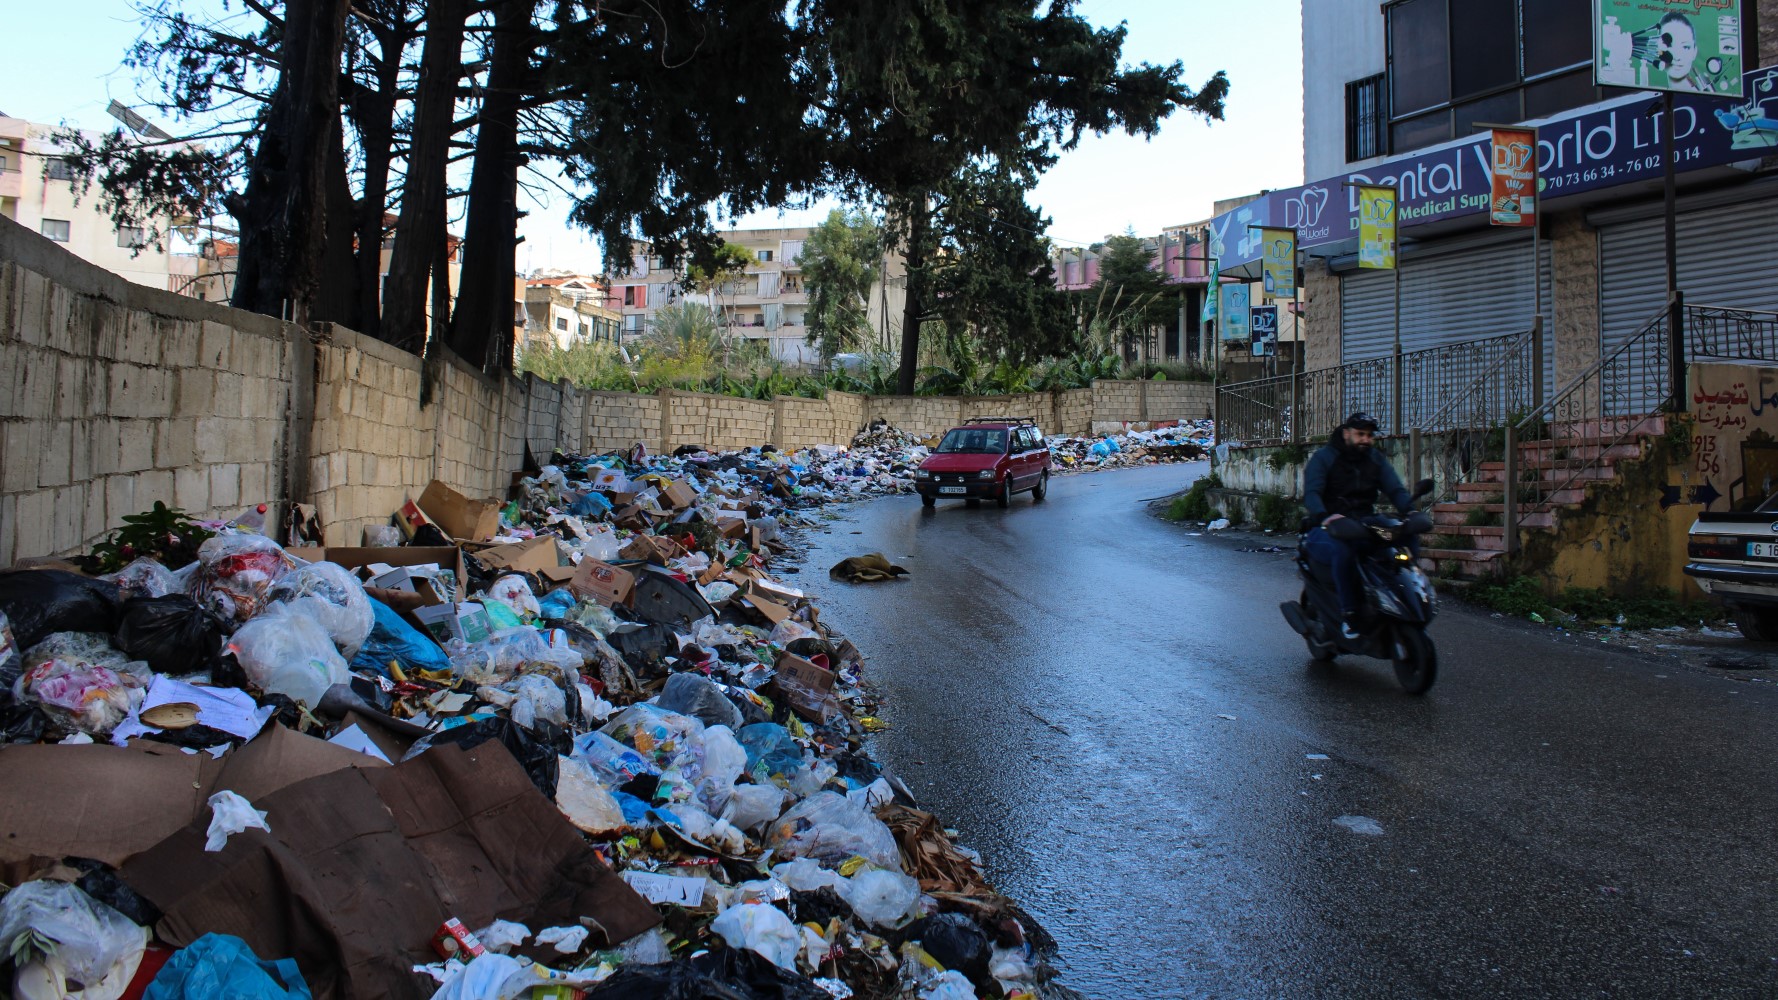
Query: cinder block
(120, 499)
(35, 534)
(256, 484)
(175, 442)
(224, 483)
(191, 489)
(33, 308)
(23, 439)
(155, 484)
(215, 345)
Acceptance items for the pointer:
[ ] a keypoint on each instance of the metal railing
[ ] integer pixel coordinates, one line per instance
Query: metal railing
(1405, 390)
(1739, 334)
(1600, 411)
(1508, 384)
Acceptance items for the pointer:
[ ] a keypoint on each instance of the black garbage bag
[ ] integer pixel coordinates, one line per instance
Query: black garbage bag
(172, 633)
(729, 974)
(699, 697)
(20, 723)
(102, 882)
(956, 941)
(534, 752)
(40, 601)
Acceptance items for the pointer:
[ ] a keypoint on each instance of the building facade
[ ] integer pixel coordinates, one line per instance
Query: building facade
(1400, 94)
(566, 310)
(38, 192)
(767, 304)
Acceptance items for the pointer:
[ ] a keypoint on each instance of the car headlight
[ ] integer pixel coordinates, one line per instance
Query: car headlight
(985, 474)
(922, 474)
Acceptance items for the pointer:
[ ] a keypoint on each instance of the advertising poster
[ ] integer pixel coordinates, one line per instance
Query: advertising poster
(1514, 201)
(1689, 46)
(1265, 331)
(1207, 315)
(1237, 301)
(1278, 251)
(1376, 228)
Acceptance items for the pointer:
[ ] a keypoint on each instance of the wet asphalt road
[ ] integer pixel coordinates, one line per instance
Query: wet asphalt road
(1557, 820)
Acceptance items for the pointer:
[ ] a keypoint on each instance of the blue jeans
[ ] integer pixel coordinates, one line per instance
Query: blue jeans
(1342, 559)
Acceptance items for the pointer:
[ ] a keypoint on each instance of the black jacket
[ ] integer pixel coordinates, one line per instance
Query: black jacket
(1342, 480)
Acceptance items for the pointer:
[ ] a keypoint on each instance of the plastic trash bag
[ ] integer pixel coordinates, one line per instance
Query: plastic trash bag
(536, 697)
(565, 940)
(77, 694)
(502, 936)
(536, 757)
(697, 696)
(234, 573)
(804, 875)
(172, 634)
(145, 577)
(505, 652)
(328, 593)
(771, 752)
(723, 761)
(231, 814)
(585, 800)
(557, 605)
(391, 638)
(512, 591)
(39, 602)
(284, 651)
(97, 949)
(880, 897)
(950, 986)
(761, 929)
(831, 830)
(612, 763)
(751, 805)
(957, 942)
(730, 973)
(222, 967)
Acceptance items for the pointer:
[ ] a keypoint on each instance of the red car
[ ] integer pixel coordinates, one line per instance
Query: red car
(989, 458)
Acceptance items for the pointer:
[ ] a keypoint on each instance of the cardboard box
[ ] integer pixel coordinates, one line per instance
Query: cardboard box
(603, 582)
(679, 495)
(611, 479)
(533, 555)
(807, 687)
(652, 548)
(458, 516)
(731, 527)
(448, 557)
(411, 518)
(468, 622)
(771, 611)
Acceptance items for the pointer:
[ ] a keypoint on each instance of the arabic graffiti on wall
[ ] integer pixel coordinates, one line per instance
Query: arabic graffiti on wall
(1734, 460)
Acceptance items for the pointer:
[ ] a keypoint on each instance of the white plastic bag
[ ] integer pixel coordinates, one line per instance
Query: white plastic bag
(566, 940)
(831, 830)
(513, 592)
(80, 683)
(724, 760)
(284, 651)
(762, 929)
(234, 572)
(145, 578)
(750, 805)
(230, 814)
(328, 593)
(950, 986)
(502, 936)
(881, 897)
(97, 949)
(536, 697)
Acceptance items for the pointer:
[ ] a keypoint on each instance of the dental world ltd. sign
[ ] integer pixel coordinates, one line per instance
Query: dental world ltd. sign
(1596, 147)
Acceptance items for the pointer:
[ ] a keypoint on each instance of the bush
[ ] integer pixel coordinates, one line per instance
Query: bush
(1276, 512)
(1195, 504)
(1520, 596)
(1523, 596)
(1285, 456)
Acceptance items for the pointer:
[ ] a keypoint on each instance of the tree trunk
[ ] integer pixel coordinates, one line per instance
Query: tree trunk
(421, 227)
(481, 328)
(282, 214)
(918, 226)
(373, 115)
(337, 300)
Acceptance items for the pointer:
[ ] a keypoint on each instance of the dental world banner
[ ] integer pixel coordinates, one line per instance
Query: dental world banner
(1590, 149)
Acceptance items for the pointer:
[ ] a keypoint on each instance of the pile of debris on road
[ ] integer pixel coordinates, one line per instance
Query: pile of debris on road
(1169, 441)
(575, 742)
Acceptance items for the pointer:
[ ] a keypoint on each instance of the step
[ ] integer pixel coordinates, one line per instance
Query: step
(1472, 564)
(1486, 537)
(1584, 449)
(1550, 471)
(1490, 493)
(1652, 425)
(1455, 514)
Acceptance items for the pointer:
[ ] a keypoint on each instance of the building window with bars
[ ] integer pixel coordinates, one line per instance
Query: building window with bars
(1365, 118)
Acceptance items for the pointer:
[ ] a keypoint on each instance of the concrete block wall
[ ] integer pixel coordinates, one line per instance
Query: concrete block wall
(799, 423)
(1074, 412)
(851, 413)
(617, 421)
(116, 395)
(369, 442)
(465, 425)
(1180, 400)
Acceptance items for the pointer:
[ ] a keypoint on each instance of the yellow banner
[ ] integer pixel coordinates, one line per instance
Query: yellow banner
(1376, 228)
(1279, 246)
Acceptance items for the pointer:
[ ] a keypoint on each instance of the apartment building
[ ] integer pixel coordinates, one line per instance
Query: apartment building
(568, 309)
(38, 191)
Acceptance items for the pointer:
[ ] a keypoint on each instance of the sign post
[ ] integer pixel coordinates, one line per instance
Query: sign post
(1377, 251)
(1513, 201)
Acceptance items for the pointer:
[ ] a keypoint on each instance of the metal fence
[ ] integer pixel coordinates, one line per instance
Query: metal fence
(1738, 334)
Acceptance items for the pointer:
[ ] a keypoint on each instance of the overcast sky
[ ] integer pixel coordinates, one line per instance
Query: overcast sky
(62, 65)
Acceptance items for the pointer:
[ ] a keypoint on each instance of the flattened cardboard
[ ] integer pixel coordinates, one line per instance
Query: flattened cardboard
(533, 555)
(361, 866)
(450, 557)
(652, 548)
(459, 516)
(602, 582)
(771, 611)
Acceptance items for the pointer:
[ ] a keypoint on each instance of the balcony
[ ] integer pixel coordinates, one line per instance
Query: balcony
(12, 182)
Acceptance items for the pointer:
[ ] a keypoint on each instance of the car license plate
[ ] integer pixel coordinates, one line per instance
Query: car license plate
(953, 489)
(1762, 550)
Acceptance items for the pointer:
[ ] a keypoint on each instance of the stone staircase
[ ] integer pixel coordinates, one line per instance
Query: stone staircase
(1471, 532)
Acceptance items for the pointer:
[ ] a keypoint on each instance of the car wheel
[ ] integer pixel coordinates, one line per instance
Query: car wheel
(1757, 624)
(1042, 489)
(1004, 497)
(929, 501)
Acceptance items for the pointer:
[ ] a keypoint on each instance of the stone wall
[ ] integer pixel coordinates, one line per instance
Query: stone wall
(121, 395)
(1574, 277)
(1321, 317)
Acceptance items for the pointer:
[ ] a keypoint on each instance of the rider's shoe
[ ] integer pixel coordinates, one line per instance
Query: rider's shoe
(1348, 633)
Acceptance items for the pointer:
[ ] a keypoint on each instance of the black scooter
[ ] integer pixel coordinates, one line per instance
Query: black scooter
(1399, 601)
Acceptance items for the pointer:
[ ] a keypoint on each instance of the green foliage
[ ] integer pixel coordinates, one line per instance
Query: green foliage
(1286, 456)
(840, 261)
(1519, 596)
(30, 945)
(162, 533)
(1481, 517)
(1126, 271)
(725, 263)
(1276, 512)
(1194, 505)
(1523, 596)
(1170, 371)
(590, 364)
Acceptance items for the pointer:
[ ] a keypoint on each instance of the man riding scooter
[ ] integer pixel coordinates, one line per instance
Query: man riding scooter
(1344, 479)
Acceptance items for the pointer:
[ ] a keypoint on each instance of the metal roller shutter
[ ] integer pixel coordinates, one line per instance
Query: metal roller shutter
(1446, 298)
(1727, 257)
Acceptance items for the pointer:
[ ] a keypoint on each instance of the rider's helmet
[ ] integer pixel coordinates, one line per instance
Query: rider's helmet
(1361, 421)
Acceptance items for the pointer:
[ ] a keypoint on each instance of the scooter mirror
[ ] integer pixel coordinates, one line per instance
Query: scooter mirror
(1423, 488)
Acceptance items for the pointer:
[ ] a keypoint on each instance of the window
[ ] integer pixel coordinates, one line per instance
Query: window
(5, 163)
(59, 170)
(562, 323)
(55, 229)
(764, 256)
(585, 329)
(1456, 64)
(633, 323)
(134, 237)
(1364, 129)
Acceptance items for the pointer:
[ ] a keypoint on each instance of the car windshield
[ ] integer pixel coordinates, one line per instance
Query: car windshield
(973, 441)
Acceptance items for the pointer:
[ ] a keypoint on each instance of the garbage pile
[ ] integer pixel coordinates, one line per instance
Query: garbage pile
(576, 744)
(1183, 441)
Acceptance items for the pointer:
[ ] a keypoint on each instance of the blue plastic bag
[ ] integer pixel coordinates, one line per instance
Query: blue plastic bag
(591, 505)
(222, 967)
(557, 604)
(771, 750)
(392, 638)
